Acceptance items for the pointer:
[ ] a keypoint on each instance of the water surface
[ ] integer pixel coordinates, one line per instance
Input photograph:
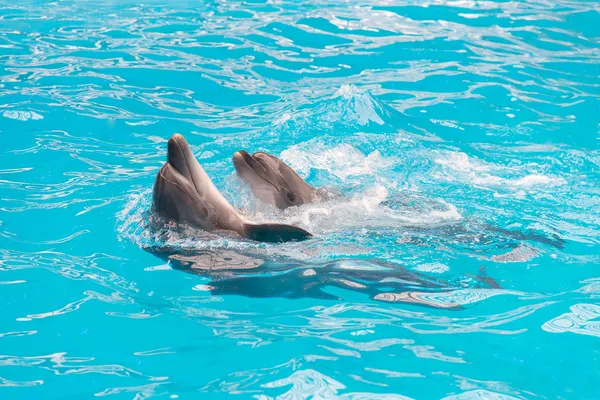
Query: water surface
(460, 259)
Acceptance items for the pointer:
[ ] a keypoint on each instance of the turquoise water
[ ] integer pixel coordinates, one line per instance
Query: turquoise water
(459, 259)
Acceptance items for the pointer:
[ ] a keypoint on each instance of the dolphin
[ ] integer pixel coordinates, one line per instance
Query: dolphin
(273, 182)
(184, 193)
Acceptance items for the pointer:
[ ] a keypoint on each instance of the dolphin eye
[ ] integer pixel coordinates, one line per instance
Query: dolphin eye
(291, 196)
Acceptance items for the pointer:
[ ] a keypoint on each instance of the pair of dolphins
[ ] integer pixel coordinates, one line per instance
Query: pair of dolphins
(183, 192)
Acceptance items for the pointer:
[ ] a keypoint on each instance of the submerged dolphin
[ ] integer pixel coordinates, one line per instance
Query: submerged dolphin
(253, 275)
(183, 192)
(272, 181)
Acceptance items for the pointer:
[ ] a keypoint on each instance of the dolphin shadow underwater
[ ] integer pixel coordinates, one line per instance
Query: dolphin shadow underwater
(255, 276)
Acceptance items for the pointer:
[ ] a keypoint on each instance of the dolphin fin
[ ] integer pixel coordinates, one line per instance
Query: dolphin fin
(275, 233)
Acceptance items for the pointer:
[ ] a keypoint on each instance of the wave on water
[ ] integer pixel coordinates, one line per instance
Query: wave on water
(459, 166)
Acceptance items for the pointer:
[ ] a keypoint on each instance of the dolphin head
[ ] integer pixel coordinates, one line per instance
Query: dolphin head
(271, 180)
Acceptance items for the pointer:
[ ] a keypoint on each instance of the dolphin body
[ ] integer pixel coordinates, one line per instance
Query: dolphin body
(184, 193)
(273, 182)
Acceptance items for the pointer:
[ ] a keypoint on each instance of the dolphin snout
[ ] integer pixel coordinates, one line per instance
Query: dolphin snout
(177, 139)
(176, 147)
(244, 162)
(241, 158)
(238, 159)
(246, 156)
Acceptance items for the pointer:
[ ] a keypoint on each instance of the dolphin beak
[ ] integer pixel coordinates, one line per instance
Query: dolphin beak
(176, 148)
(242, 159)
(251, 162)
(238, 162)
(244, 155)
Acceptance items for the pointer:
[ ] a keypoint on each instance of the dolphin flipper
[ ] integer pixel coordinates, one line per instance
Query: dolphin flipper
(275, 232)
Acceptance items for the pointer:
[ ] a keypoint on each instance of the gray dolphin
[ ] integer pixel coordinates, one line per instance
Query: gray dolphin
(183, 192)
(272, 181)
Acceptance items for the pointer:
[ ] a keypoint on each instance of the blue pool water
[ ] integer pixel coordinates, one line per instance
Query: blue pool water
(459, 259)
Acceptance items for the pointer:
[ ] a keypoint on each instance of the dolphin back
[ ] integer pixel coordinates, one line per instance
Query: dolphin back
(275, 233)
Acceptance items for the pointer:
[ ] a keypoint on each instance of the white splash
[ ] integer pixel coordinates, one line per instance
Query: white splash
(341, 161)
(459, 166)
(436, 268)
(360, 106)
(362, 211)
(520, 253)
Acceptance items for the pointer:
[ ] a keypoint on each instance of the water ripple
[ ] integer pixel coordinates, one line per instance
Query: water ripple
(580, 320)
(310, 383)
(459, 141)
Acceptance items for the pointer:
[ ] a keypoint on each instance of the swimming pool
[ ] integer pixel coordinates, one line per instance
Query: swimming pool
(459, 259)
